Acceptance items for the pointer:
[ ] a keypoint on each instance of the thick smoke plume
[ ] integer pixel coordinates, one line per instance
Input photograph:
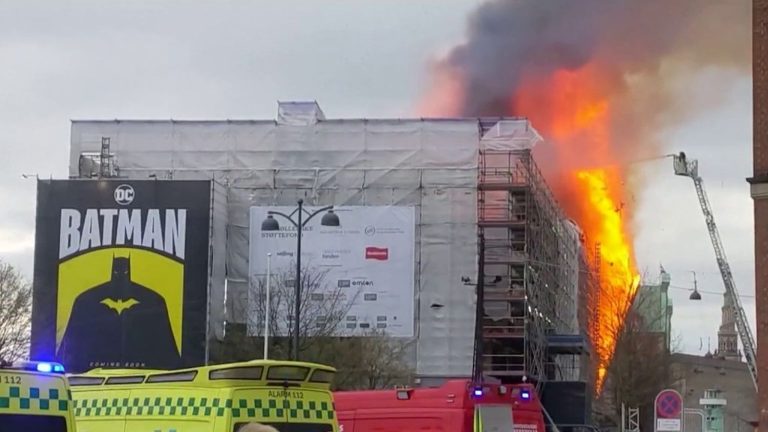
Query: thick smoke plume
(600, 79)
(638, 55)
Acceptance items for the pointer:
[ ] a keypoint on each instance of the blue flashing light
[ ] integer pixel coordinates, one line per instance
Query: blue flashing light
(477, 392)
(525, 395)
(42, 367)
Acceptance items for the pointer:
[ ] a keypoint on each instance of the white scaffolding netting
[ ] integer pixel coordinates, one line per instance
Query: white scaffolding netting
(429, 164)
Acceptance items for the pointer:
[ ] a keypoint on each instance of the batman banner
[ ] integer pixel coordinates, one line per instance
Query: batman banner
(121, 271)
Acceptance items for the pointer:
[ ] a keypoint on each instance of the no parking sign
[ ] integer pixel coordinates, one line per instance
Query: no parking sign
(668, 411)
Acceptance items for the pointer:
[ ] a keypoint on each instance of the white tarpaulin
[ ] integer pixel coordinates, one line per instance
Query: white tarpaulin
(428, 164)
(369, 260)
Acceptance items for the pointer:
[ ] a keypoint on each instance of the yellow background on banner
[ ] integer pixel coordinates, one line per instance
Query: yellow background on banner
(154, 271)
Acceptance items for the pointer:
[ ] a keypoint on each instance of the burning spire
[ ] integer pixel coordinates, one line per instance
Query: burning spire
(598, 79)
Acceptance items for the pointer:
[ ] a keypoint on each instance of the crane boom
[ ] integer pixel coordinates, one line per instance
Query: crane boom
(690, 169)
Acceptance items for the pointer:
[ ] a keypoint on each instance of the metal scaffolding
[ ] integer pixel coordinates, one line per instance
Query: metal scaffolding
(539, 270)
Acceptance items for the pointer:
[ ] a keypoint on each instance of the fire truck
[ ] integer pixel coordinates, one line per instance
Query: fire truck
(456, 406)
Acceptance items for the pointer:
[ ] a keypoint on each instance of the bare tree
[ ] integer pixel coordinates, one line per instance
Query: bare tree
(323, 309)
(369, 360)
(374, 361)
(15, 314)
(641, 361)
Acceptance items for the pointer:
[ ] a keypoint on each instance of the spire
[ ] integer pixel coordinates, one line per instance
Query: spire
(727, 339)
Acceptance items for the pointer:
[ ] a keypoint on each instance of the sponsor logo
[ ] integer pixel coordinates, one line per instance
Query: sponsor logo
(371, 230)
(370, 297)
(376, 253)
(285, 254)
(124, 194)
(335, 253)
(362, 283)
(389, 230)
(381, 318)
(344, 283)
(285, 231)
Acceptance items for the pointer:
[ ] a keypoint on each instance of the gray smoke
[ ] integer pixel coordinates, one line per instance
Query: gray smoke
(509, 39)
(640, 57)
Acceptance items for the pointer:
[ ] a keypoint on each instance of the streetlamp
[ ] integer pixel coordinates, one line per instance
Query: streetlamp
(270, 224)
(695, 295)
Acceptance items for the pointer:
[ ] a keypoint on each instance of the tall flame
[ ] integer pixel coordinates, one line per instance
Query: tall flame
(574, 113)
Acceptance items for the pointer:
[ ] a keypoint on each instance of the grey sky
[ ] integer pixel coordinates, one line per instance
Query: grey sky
(149, 59)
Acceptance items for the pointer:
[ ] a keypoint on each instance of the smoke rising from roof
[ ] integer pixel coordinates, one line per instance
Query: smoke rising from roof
(641, 50)
(629, 65)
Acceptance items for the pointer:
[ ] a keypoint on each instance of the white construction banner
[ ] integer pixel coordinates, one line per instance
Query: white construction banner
(357, 277)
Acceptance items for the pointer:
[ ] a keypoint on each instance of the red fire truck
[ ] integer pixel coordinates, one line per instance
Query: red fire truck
(456, 406)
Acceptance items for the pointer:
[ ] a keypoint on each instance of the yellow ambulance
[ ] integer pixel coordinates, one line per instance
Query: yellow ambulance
(34, 396)
(289, 396)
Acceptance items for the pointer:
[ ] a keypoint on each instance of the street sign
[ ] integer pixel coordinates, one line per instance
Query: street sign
(668, 411)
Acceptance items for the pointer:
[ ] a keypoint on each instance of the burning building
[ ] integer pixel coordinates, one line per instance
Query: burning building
(600, 81)
(481, 215)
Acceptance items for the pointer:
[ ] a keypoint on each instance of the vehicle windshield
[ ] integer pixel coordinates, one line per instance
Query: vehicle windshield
(290, 427)
(24, 423)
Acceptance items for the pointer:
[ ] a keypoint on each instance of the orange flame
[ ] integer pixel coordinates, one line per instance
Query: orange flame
(572, 109)
(618, 275)
(574, 113)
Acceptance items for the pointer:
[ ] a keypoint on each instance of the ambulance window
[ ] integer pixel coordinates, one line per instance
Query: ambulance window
(240, 373)
(126, 380)
(173, 377)
(322, 376)
(288, 373)
(18, 422)
(84, 381)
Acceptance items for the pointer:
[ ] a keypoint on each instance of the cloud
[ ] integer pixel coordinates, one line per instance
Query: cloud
(16, 241)
(231, 59)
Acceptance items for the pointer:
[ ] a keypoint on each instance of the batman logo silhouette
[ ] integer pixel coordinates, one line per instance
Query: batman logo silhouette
(120, 322)
(119, 305)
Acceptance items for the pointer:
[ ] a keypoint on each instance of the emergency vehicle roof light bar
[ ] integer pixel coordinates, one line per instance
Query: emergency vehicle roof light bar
(525, 395)
(44, 367)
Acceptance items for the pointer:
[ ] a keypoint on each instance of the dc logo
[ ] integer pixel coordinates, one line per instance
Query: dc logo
(124, 194)
(370, 230)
